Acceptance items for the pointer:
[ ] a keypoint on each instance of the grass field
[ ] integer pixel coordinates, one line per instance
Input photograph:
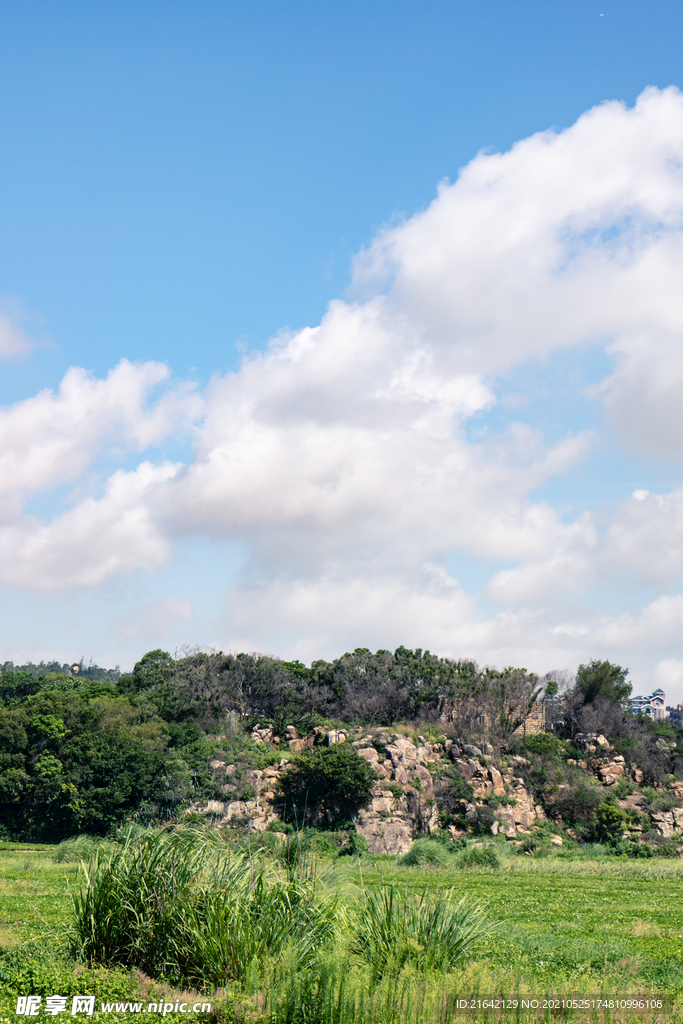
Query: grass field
(557, 925)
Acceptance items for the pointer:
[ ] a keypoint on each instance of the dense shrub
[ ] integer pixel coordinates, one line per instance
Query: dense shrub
(479, 857)
(328, 784)
(425, 852)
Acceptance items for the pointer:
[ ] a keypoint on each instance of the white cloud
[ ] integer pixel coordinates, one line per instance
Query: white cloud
(91, 542)
(355, 458)
(50, 439)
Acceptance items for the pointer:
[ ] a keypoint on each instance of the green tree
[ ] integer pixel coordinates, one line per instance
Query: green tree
(331, 782)
(609, 821)
(603, 679)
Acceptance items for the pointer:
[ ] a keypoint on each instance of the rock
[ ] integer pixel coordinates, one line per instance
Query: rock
(556, 840)
(382, 804)
(214, 807)
(219, 767)
(677, 813)
(663, 821)
(334, 736)
(497, 780)
(236, 809)
(525, 816)
(368, 753)
(426, 782)
(298, 745)
(488, 750)
(319, 734)
(472, 751)
(601, 741)
(609, 773)
(392, 835)
(291, 733)
(400, 747)
(521, 762)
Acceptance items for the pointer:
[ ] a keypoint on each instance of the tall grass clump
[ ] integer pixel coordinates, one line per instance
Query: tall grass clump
(173, 905)
(134, 900)
(425, 852)
(79, 848)
(433, 932)
(479, 857)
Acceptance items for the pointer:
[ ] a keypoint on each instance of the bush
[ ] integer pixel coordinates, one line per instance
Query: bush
(424, 852)
(609, 821)
(353, 846)
(479, 857)
(330, 782)
(280, 826)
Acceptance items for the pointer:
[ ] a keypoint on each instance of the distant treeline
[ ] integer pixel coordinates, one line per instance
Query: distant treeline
(360, 686)
(81, 668)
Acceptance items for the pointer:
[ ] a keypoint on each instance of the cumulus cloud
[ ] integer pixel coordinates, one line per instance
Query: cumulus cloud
(360, 459)
(50, 439)
(97, 539)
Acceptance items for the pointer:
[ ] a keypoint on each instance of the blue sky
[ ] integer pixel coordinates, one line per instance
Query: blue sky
(182, 183)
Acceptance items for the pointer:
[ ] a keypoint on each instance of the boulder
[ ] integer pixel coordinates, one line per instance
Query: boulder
(214, 807)
(392, 835)
(335, 736)
(381, 738)
(497, 780)
(291, 733)
(663, 821)
(472, 751)
(556, 840)
(236, 809)
(637, 776)
(400, 747)
(368, 753)
(677, 813)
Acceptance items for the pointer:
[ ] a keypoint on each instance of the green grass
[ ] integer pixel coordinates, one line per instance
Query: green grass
(573, 925)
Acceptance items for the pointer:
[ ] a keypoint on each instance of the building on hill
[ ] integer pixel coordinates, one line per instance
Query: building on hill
(654, 705)
(675, 714)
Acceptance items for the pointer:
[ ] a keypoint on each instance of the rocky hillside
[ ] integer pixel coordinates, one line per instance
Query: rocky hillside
(422, 787)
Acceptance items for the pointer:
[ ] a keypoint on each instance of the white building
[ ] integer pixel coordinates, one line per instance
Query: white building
(653, 705)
